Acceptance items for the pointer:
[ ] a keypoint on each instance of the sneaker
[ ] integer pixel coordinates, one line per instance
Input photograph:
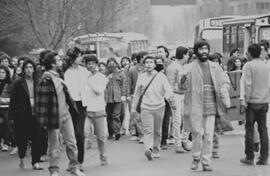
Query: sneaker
(179, 149)
(207, 167)
(5, 148)
(54, 173)
(81, 167)
(164, 147)
(247, 161)
(215, 155)
(261, 161)
(103, 160)
(36, 166)
(148, 154)
(156, 155)
(141, 140)
(171, 141)
(14, 151)
(77, 172)
(117, 136)
(134, 138)
(195, 164)
(187, 145)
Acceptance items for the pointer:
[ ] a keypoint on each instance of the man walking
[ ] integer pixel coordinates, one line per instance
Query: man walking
(202, 102)
(255, 87)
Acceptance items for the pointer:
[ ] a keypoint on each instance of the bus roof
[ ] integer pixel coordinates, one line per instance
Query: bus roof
(214, 22)
(128, 36)
(245, 19)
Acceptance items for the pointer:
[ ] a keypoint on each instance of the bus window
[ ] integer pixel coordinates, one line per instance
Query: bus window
(264, 33)
(233, 37)
(226, 42)
(197, 32)
(214, 37)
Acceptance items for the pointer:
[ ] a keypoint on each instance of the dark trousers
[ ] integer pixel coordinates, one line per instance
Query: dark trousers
(78, 124)
(113, 111)
(166, 124)
(6, 133)
(25, 132)
(44, 141)
(256, 113)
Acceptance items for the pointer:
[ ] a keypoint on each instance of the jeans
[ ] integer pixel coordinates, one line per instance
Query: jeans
(177, 119)
(100, 129)
(113, 111)
(203, 141)
(256, 113)
(166, 123)
(78, 123)
(152, 125)
(67, 131)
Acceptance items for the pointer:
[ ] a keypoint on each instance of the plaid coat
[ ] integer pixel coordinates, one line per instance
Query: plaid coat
(47, 103)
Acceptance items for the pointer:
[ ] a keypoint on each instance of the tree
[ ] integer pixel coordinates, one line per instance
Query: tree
(49, 23)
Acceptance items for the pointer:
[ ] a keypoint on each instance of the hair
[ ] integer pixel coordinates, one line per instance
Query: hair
(90, 58)
(73, 53)
(101, 63)
(233, 51)
(133, 56)
(266, 44)
(149, 57)
(140, 55)
(5, 56)
(180, 52)
(7, 79)
(200, 44)
(165, 49)
(2, 53)
(125, 58)
(42, 54)
(214, 56)
(254, 50)
(28, 61)
(110, 60)
(49, 59)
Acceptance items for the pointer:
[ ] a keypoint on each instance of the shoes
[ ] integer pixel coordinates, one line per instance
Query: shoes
(195, 164)
(77, 172)
(148, 154)
(54, 173)
(134, 138)
(141, 140)
(110, 137)
(14, 151)
(187, 145)
(103, 160)
(171, 141)
(36, 166)
(156, 155)
(207, 167)
(21, 164)
(261, 161)
(81, 167)
(247, 161)
(256, 147)
(215, 155)
(117, 136)
(164, 147)
(5, 148)
(179, 149)
(43, 158)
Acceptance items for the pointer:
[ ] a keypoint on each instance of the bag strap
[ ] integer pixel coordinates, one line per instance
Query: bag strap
(148, 84)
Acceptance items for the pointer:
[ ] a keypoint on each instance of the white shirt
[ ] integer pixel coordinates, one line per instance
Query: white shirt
(96, 86)
(76, 78)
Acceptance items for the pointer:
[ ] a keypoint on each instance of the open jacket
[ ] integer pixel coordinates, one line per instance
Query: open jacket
(46, 103)
(193, 102)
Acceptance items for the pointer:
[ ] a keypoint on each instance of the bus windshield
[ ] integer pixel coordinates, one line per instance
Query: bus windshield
(214, 38)
(112, 49)
(264, 33)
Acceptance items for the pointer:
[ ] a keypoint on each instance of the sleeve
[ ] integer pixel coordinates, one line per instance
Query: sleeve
(123, 86)
(246, 82)
(100, 85)
(137, 94)
(171, 74)
(169, 96)
(13, 103)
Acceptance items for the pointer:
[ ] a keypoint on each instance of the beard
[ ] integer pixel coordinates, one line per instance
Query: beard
(203, 57)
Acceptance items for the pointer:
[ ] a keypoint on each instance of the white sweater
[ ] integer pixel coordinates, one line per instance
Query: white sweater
(96, 86)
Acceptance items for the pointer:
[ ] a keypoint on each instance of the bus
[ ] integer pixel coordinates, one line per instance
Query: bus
(242, 31)
(106, 45)
(210, 29)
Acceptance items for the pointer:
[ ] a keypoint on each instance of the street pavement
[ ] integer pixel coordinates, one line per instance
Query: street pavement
(126, 158)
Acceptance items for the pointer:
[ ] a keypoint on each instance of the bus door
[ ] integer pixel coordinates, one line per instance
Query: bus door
(233, 113)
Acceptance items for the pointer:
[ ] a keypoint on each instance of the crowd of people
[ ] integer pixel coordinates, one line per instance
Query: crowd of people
(157, 100)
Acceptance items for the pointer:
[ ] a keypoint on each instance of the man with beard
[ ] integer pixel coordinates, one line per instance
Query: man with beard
(202, 102)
